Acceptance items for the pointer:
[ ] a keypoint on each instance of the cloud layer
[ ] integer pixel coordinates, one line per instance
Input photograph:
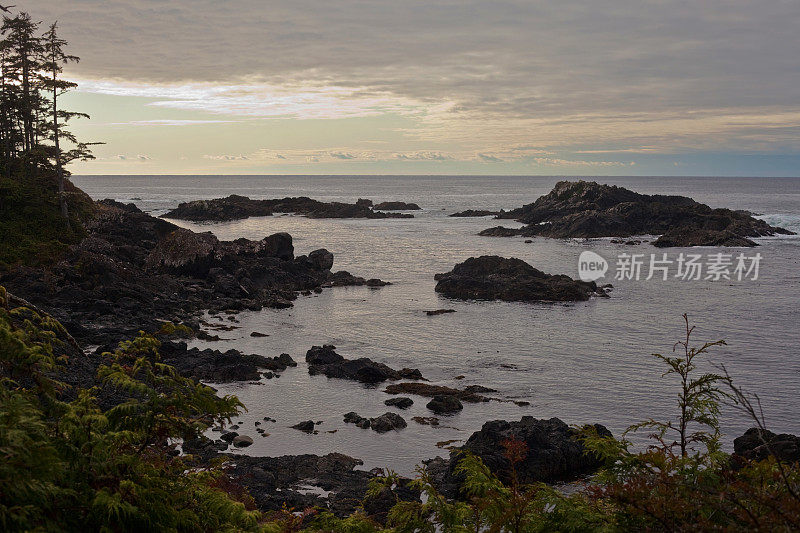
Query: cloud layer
(620, 76)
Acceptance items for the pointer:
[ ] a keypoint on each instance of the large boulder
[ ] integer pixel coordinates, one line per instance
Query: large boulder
(277, 245)
(757, 445)
(387, 422)
(444, 404)
(490, 277)
(321, 259)
(553, 452)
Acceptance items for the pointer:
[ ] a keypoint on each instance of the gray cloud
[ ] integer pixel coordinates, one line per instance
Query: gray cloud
(564, 62)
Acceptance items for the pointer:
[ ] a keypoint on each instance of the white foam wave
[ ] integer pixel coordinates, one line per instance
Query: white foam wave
(783, 220)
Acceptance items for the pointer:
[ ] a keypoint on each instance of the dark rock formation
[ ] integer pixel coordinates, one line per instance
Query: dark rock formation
(277, 481)
(757, 445)
(497, 278)
(235, 207)
(132, 272)
(693, 236)
(444, 404)
(474, 213)
(324, 360)
(307, 426)
(345, 279)
(439, 312)
(242, 441)
(587, 210)
(553, 453)
(396, 206)
(381, 424)
(387, 422)
(401, 402)
(219, 367)
(469, 394)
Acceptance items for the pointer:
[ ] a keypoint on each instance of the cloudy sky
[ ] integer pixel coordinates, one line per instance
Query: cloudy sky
(591, 87)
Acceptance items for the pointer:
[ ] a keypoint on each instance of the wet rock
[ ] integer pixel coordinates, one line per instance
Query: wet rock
(215, 366)
(400, 403)
(358, 420)
(324, 360)
(277, 481)
(497, 278)
(427, 390)
(343, 278)
(439, 312)
(228, 436)
(258, 334)
(242, 441)
(474, 213)
(757, 445)
(321, 259)
(692, 236)
(323, 355)
(554, 453)
(499, 231)
(307, 426)
(411, 373)
(387, 422)
(396, 206)
(426, 420)
(444, 404)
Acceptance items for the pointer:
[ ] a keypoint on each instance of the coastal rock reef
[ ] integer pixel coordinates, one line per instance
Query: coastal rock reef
(490, 277)
(582, 209)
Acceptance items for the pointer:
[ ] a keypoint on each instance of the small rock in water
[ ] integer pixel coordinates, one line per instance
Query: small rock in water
(229, 436)
(242, 441)
(258, 334)
(439, 312)
(442, 404)
(401, 403)
(307, 426)
(387, 422)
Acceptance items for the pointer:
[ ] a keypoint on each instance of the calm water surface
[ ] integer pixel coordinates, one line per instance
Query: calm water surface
(584, 362)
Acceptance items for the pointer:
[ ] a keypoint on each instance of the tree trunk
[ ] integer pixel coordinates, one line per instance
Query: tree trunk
(62, 198)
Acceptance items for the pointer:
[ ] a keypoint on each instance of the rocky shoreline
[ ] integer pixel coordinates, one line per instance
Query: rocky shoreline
(590, 210)
(134, 272)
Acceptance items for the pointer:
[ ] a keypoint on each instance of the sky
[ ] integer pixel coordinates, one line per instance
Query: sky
(568, 87)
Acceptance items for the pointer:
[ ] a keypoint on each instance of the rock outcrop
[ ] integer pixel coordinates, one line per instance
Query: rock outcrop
(324, 360)
(133, 271)
(513, 280)
(235, 207)
(396, 206)
(588, 210)
(475, 213)
(303, 481)
(757, 445)
(553, 452)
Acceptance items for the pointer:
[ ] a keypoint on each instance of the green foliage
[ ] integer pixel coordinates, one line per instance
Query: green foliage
(73, 466)
(32, 229)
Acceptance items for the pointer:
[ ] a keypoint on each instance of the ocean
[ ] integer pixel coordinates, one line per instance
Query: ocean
(582, 362)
